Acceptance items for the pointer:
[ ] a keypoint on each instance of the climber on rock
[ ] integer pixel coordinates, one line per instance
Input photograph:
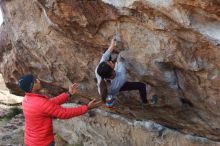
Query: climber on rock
(111, 78)
(39, 111)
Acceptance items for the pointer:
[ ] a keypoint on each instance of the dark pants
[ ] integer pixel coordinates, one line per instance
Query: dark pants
(52, 144)
(128, 86)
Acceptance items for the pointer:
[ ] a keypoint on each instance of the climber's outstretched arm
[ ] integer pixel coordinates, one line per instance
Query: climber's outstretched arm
(112, 45)
(107, 54)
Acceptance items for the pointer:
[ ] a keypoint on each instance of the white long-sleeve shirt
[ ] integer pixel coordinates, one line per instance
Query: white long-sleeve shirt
(119, 79)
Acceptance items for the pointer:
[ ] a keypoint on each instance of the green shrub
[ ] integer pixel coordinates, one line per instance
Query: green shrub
(12, 113)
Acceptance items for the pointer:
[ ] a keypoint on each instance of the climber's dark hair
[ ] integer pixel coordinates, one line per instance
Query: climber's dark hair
(103, 90)
(104, 70)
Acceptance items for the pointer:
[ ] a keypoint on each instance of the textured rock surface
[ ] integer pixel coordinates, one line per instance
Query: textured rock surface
(5, 96)
(12, 132)
(172, 45)
(105, 129)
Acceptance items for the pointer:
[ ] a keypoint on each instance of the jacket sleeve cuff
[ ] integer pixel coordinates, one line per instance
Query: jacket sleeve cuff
(66, 95)
(84, 108)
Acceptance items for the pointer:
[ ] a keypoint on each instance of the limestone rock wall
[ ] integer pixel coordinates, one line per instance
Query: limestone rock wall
(105, 129)
(171, 45)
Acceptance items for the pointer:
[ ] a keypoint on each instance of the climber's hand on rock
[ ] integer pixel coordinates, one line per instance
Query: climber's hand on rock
(114, 42)
(112, 45)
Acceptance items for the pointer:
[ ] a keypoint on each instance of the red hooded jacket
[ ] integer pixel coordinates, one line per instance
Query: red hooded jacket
(39, 111)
